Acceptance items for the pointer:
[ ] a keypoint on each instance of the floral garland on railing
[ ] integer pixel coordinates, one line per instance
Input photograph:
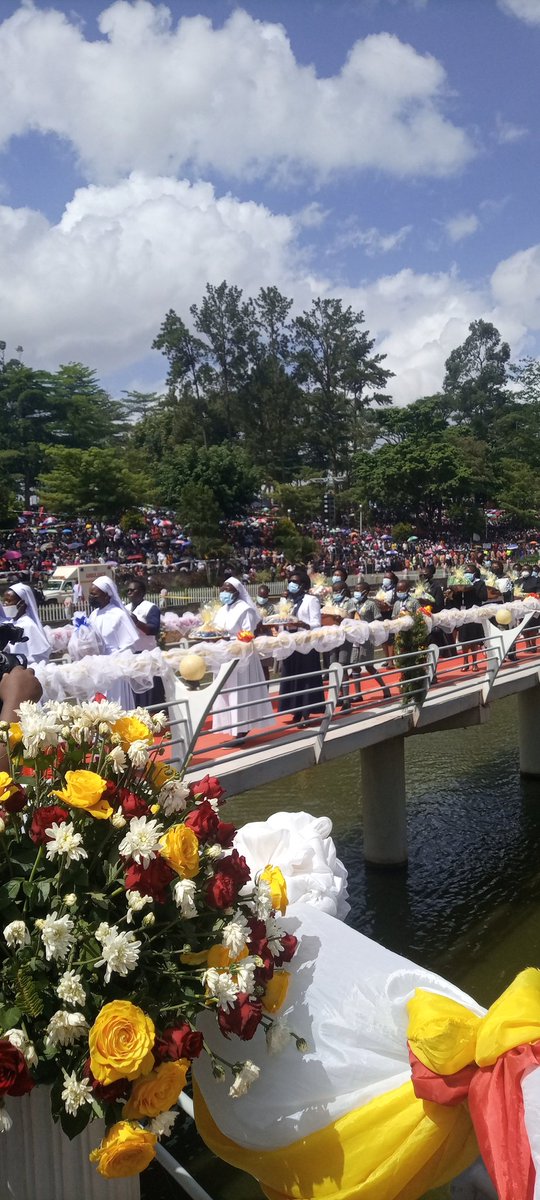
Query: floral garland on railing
(126, 912)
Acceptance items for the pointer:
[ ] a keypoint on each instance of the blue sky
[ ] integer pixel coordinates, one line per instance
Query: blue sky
(382, 150)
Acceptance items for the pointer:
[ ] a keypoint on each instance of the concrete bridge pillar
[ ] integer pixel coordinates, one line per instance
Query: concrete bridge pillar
(529, 732)
(383, 788)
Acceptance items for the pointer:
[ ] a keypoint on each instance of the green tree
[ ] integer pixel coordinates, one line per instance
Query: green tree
(92, 481)
(199, 512)
(226, 471)
(476, 379)
(84, 415)
(227, 322)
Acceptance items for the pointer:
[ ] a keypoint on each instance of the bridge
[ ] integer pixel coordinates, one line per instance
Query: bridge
(448, 696)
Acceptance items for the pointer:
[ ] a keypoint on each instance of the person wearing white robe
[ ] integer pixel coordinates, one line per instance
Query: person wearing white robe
(236, 615)
(21, 609)
(116, 630)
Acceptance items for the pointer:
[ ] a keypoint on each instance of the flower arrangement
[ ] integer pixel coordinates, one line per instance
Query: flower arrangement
(458, 580)
(285, 609)
(411, 659)
(245, 635)
(208, 614)
(125, 912)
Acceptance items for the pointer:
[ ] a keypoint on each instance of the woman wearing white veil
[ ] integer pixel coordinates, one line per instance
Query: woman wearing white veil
(20, 608)
(116, 631)
(238, 614)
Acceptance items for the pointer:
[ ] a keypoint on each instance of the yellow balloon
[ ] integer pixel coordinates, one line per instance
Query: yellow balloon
(503, 616)
(192, 668)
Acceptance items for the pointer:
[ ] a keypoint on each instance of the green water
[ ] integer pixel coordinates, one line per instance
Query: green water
(466, 905)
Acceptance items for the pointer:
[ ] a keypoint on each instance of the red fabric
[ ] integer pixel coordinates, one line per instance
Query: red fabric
(497, 1112)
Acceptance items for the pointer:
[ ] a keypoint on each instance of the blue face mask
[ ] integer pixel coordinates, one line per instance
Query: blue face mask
(469, 577)
(336, 579)
(360, 595)
(387, 584)
(226, 597)
(293, 588)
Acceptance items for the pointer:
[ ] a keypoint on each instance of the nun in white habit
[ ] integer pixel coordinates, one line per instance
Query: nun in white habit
(238, 613)
(21, 609)
(116, 632)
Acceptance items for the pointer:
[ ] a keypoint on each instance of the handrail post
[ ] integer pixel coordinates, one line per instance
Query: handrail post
(335, 679)
(197, 704)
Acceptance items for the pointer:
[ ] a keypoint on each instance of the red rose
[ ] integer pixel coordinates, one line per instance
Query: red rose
(208, 788)
(236, 866)
(152, 880)
(108, 1093)
(222, 890)
(179, 1042)
(204, 822)
(15, 1079)
(132, 805)
(242, 1019)
(16, 801)
(289, 943)
(225, 834)
(43, 818)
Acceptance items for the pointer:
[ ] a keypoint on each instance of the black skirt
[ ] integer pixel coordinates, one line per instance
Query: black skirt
(301, 696)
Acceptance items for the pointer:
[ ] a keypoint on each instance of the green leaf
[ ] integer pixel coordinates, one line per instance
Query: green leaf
(73, 1126)
(13, 888)
(10, 1017)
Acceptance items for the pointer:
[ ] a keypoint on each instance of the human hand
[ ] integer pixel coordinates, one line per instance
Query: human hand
(18, 685)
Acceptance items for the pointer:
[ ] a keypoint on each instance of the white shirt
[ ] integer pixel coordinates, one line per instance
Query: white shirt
(144, 610)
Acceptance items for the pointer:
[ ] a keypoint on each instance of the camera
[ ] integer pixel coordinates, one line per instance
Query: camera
(11, 633)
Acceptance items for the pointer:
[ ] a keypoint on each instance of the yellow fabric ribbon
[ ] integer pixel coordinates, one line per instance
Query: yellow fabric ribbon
(396, 1146)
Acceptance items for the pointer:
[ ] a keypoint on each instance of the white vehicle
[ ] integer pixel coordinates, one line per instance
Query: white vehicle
(63, 580)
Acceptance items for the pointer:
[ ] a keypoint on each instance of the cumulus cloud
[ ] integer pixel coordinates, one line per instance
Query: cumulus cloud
(526, 10)
(157, 97)
(461, 226)
(372, 240)
(95, 286)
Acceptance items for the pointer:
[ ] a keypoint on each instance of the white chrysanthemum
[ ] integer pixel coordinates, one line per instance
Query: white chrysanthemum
(20, 1039)
(184, 896)
(5, 1120)
(235, 934)
(103, 930)
(244, 1079)
(119, 952)
(118, 820)
(64, 840)
(75, 1092)
(117, 759)
(142, 842)
(40, 728)
(263, 900)
(93, 713)
(163, 1124)
(173, 796)
(214, 852)
(135, 902)
(278, 1037)
(245, 975)
(159, 721)
(222, 986)
(16, 934)
(274, 933)
(70, 988)
(65, 1028)
(138, 753)
(57, 936)
(70, 900)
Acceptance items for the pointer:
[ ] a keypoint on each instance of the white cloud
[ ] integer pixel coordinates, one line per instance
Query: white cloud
(373, 241)
(515, 285)
(461, 226)
(525, 10)
(506, 132)
(155, 97)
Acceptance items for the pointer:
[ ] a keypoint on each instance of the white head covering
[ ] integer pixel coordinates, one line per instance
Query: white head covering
(242, 591)
(118, 630)
(105, 584)
(38, 643)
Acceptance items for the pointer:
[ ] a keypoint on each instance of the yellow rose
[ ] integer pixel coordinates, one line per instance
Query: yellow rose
(160, 772)
(15, 734)
(125, 1150)
(131, 729)
(194, 959)
(7, 786)
(276, 991)
(278, 888)
(85, 790)
(157, 1092)
(180, 847)
(221, 957)
(120, 1042)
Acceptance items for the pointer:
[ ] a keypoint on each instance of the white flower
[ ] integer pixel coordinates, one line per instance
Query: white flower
(159, 721)
(75, 1093)
(138, 753)
(142, 842)
(120, 952)
(70, 988)
(245, 975)
(135, 901)
(57, 936)
(148, 920)
(64, 840)
(163, 1124)
(92, 714)
(222, 985)
(173, 796)
(2, 826)
(103, 930)
(184, 892)
(5, 1119)
(117, 760)
(263, 900)
(278, 1037)
(40, 727)
(16, 934)
(118, 820)
(244, 1079)
(64, 1028)
(235, 934)
(20, 1039)
(70, 900)
(274, 933)
(215, 851)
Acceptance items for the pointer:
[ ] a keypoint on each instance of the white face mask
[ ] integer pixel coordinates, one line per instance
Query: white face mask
(11, 611)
